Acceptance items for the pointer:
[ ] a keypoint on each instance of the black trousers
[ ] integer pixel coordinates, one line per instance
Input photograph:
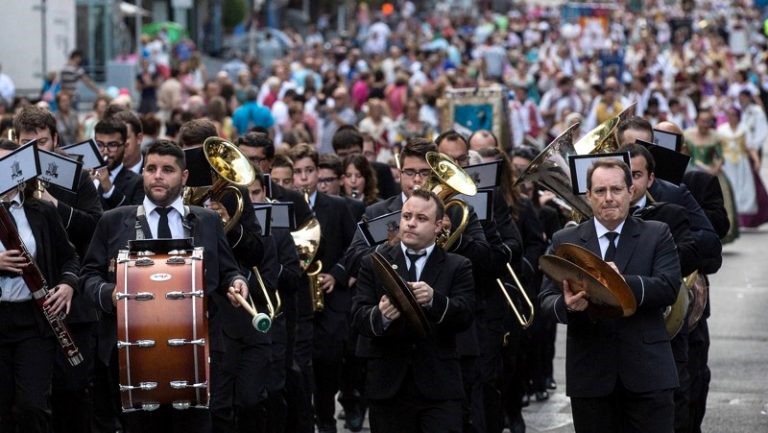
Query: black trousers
(26, 369)
(624, 411)
(72, 399)
(410, 412)
(300, 379)
(698, 357)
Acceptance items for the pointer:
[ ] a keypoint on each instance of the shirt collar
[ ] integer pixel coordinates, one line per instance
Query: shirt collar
(601, 230)
(137, 167)
(177, 204)
(428, 250)
(642, 202)
(313, 199)
(113, 173)
(403, 197)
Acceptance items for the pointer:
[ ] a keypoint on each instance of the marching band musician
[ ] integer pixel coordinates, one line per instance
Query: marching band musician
(27, 345)
(331, 325)
(482, 368)
(620, 373)
(116, 184)
(164, 177)
(414, 384)
(79, 211)
(239, 354)
(260, 150)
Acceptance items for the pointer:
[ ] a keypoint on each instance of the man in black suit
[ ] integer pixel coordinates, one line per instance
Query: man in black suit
(27, 345)
(79, 210)
(414, 384)
(239, 353)
(133, 159)
(164, 176)
(331, 325)
(260, 151)
(620, 373)
(117, 185)
(348, 141)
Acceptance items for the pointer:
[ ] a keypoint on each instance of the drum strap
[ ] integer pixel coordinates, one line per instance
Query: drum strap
(142, 226)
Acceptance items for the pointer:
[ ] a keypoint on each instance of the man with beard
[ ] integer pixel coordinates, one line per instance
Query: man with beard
(116, 184)
(166, 216)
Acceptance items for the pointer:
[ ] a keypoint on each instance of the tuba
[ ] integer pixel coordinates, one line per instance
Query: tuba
(307, 240)
(550, 170)
(231, 169)
(604, 138)
(447, 180)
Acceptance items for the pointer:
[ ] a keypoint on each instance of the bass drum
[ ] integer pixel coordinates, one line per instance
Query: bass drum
(162, 331)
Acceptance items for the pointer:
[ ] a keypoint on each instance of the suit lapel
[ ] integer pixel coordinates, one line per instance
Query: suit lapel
(433, 267)
(588, 236)
(395, 204)
(628, 240)
(397, 260)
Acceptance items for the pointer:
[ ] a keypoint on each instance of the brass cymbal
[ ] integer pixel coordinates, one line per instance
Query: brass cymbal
(559, 269)
(400, 295)
(602, 272)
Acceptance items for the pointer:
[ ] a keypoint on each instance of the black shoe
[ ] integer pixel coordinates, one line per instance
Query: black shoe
(326, 428)
(354, 424)
(542, 395)
(550, 383)
(526, 400)
(517, 425)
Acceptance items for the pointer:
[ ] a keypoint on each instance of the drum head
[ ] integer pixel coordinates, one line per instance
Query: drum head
(605, 304)
(601, 271)
(400, 295)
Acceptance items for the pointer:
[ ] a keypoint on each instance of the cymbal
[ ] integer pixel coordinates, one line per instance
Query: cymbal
(400, 295)
(559, 269)
(601, 271)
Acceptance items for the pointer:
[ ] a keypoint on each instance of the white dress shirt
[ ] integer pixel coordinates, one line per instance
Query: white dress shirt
(174, 218)
(14, 289)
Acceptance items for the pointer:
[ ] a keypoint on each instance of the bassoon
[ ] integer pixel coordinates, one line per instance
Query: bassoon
(9, 236)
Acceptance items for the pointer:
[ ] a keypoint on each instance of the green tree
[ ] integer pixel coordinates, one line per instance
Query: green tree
(233, 13)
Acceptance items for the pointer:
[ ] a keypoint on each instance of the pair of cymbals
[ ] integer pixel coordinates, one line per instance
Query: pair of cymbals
(608, 294)
(400, 295)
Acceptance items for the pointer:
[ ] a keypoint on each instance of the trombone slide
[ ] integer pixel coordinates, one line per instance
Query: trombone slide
(525, 323)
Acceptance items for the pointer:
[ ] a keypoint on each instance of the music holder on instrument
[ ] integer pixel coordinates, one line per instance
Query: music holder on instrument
(622, 295)
(400, 295)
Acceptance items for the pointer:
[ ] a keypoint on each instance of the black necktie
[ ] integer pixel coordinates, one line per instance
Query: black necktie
(412, 268)
(610, 253)
(163, 228)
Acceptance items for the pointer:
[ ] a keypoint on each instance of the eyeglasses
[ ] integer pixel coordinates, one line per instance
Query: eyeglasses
(256, 159)
(112, 145)
(327, 179)
(409, 172)
(602, 191)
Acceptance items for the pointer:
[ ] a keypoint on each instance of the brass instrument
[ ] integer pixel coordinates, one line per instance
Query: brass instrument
(603, 138)
(307, 240)
(447, 180)
(231, 169)
(550, 170)
(525, 323)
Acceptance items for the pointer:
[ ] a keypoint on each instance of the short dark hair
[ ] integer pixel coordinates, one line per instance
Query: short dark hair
(6, 144)
(150, 124)
(417, 147)
(484, 133)
(346, 136)
(164, 147)
(430, 196)
(76, 53)
(331, 161)
(111, 125)
(635, 149)
(451, 135)
(31, 118)
(304, 150)
(609, 163)
(257, 139)
(282, 160)
(633, 122)
(196, 132)
(129, 118)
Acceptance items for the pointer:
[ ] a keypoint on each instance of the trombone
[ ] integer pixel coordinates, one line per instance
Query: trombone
(231, 169)
(525, 323)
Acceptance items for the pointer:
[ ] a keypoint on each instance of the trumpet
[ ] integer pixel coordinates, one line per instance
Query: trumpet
(525, 323)
(231, 169)
(447, 180)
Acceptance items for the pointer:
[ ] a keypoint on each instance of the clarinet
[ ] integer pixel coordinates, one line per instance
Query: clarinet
(36, 283)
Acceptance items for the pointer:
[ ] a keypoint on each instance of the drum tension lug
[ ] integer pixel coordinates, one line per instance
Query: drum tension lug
(144, 261)
(176, 260)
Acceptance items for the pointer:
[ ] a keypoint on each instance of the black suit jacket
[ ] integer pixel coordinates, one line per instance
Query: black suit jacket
(112, 234)
(676, 218)
(392, 352)
(337, 227)
(707, 240)
(635, 349)
(79, 212)
(300, 207)
(129, 189)
(706, 189)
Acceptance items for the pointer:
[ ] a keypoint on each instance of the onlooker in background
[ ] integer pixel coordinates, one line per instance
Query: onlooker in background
(67, 121)
(72, 72)
(252, 115)
(91, 119)
(7, 88)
